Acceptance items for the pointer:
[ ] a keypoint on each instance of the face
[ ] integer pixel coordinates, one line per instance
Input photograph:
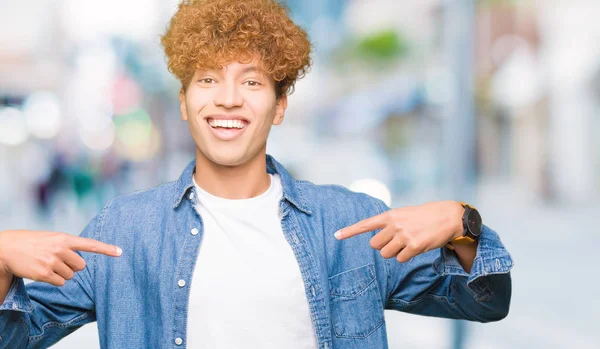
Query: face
(230, 112)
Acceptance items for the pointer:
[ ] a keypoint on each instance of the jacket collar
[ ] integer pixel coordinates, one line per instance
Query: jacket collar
(291, 190)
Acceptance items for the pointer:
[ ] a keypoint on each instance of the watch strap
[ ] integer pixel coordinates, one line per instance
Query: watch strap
(462, 240)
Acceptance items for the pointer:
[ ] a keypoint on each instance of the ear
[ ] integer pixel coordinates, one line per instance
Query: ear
(182, 105)
(280, 108)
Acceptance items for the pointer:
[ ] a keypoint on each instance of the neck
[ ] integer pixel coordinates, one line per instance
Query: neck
(232, 182)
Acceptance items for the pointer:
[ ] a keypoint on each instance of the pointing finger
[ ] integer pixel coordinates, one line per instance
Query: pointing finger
(366, 225)
(89, 245)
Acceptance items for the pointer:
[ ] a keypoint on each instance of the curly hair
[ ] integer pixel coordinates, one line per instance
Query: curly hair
(206, 34)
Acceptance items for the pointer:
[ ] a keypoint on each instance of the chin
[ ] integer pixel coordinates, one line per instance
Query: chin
(227, 159)
(229, 162)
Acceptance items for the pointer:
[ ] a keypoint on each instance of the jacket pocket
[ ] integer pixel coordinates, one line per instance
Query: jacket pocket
(356, 307)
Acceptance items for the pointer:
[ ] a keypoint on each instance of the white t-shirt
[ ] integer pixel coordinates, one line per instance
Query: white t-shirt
(247, 290)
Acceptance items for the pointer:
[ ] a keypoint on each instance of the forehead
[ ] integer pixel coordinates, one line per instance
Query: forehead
(236, 67)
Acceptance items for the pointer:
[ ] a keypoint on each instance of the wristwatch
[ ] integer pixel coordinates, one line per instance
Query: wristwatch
(471, 221)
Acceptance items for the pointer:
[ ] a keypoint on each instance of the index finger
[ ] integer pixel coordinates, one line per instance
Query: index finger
(363, 226)
(90, 245)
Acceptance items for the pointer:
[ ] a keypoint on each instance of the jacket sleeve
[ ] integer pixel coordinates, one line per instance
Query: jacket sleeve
(435, 284)
(38, 315)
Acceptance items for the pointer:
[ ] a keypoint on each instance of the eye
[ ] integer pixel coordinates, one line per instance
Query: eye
(207, 80)
(252, 83)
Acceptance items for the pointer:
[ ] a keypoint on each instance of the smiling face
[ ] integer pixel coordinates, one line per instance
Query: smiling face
(230, 112)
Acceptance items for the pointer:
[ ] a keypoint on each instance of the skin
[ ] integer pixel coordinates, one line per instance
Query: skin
(236, 90)
(234, 169)
(44, 256)
(410, 231)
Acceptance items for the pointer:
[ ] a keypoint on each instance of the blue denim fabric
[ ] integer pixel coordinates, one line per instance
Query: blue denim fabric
(138, 303)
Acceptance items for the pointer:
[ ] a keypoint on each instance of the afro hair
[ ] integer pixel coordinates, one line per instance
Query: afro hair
(207, 34)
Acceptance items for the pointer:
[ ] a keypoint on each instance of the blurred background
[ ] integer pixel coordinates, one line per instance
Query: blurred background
(494, 102)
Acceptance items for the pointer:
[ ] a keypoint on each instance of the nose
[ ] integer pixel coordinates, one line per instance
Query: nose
(228, 96)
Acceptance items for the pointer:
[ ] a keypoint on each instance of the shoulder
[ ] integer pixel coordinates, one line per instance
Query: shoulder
(158, 196)
(147, 203)
(326, 197)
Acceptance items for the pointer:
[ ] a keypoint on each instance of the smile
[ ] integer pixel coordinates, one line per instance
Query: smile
(235, 123)
(227, 129)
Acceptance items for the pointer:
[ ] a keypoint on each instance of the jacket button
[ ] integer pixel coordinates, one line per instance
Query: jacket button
(178, 341)
(181, 283)
(194, 231)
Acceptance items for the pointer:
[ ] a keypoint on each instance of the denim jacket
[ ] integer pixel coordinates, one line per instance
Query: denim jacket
(138, 300)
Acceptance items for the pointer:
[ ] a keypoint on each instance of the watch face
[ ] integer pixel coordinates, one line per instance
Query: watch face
(474, 222)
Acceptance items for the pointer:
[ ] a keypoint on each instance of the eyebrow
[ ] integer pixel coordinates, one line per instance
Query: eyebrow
(252, 70)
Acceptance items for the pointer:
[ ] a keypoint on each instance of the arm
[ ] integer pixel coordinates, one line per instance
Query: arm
(40, 314)
(436, 284)
(425, 277)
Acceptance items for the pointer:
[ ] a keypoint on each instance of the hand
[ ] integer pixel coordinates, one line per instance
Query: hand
(410, 231)
(46, 256)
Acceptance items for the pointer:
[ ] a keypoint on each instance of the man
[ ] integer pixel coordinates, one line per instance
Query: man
(236, 253)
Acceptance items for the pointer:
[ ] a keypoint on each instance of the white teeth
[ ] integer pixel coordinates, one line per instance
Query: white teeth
(227, 123)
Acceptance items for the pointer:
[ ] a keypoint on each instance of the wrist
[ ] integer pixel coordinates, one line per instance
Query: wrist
(4, 273)
(3, 269)
(470, 228)
(457, 220)
(6, 277)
